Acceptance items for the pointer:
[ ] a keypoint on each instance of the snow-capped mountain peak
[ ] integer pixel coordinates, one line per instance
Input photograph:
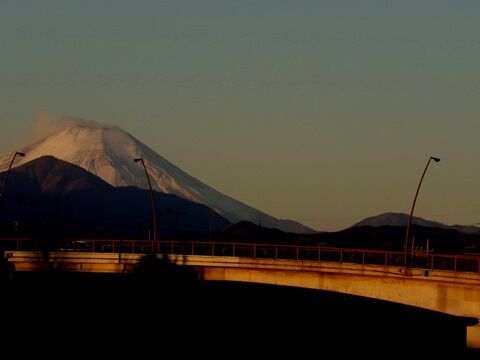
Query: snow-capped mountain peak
(108, 152)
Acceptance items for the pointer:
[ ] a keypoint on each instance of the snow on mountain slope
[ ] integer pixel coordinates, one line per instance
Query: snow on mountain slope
(108, 152)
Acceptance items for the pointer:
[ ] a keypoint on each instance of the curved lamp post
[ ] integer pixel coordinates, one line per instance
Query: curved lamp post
(2, 191)
(152, 200)
(407, 236)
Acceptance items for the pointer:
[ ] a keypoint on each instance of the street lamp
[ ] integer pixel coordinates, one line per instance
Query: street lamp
(2, 191)
(411, 213)
(152, 200)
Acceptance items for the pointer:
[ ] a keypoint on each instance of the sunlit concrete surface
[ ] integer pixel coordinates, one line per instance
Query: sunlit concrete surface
(454, 293)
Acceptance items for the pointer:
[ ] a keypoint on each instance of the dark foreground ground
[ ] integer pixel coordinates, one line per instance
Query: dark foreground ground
(170, 310)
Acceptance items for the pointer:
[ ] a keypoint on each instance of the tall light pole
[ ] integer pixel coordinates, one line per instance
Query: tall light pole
(152, 200)
(4, 184)
(407, 236)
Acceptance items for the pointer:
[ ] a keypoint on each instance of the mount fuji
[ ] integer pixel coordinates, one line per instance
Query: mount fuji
(107, 152)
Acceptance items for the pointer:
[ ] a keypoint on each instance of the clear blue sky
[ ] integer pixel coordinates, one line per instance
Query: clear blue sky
(320, 111)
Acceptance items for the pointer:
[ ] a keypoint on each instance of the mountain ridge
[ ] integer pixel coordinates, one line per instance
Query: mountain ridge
(108, 152)
(386, 238)
(401, 219)
(51, 197)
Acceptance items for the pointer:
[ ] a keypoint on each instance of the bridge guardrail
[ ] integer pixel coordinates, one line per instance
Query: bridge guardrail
(450, 262)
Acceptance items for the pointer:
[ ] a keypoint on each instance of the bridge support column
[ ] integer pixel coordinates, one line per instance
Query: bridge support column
(473, 336)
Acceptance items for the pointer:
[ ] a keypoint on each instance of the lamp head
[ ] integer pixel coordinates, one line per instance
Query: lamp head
(435, 159)
(20, 153)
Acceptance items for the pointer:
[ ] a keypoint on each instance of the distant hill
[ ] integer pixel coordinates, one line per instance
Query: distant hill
(247, 232)
(400, 219)
(360, 237)
(393, 238)
(51, 197)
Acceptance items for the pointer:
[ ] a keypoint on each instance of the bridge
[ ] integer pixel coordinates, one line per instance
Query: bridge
(441, 282)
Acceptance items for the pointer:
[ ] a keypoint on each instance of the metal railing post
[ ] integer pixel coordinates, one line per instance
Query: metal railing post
(461, 263)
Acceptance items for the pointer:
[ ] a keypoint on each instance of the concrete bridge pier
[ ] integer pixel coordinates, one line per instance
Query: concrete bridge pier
(473, 336)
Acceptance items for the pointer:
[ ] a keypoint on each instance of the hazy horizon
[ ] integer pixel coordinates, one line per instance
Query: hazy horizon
(321, 112)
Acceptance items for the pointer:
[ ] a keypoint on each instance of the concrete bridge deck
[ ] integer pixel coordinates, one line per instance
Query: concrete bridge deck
(452, 292)
(439, 282)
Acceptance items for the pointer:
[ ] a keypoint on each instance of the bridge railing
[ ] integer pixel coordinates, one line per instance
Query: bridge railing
(450, 262)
